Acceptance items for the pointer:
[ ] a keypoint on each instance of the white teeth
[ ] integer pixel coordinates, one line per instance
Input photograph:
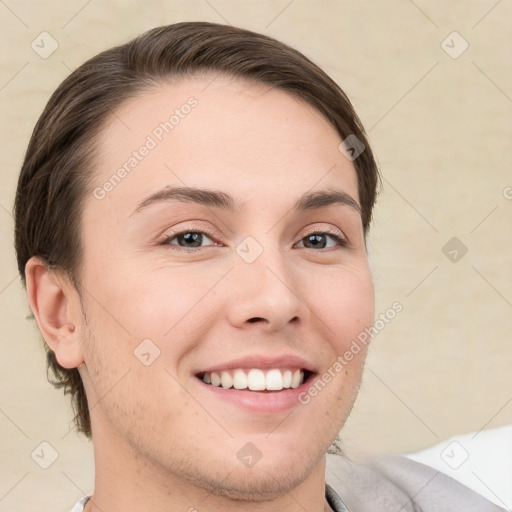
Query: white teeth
(215, 379)
(274, 380)
(239, 380)
(297, 378)
(226, 380)
(255, 379)
(287, 379)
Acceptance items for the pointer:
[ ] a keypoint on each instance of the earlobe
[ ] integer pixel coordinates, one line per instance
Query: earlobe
(51, 300)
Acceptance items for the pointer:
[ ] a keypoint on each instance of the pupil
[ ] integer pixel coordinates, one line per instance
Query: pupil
(195, 238)
(315, 238)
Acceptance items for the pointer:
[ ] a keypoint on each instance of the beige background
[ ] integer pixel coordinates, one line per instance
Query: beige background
(441, 129)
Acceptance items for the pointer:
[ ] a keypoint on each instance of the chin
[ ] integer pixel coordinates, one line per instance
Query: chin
(276, 473)
(257, 483)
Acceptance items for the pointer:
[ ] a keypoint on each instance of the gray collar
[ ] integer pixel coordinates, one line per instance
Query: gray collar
(335, 502)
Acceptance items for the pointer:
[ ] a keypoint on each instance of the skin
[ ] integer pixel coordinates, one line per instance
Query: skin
(161, 442)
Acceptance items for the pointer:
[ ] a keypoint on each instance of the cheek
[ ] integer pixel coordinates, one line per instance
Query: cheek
(345, 304)
(154, 301)
(143, 323)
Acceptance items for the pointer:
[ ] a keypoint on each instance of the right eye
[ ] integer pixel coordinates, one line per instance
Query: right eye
(191, 239)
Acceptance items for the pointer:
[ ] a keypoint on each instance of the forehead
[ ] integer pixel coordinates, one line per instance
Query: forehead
(245, 138)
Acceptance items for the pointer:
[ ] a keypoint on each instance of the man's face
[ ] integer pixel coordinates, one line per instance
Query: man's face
(162, 310)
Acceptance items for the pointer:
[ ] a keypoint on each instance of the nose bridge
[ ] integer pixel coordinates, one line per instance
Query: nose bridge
(266, 286)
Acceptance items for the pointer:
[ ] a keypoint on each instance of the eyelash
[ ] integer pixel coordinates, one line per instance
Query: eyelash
(166, 241)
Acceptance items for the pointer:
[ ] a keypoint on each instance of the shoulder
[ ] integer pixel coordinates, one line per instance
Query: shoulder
(394, 482)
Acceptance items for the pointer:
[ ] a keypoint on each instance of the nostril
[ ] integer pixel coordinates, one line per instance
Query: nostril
(255, 319)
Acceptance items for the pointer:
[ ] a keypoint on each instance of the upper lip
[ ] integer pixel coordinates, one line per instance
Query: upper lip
(263, 362)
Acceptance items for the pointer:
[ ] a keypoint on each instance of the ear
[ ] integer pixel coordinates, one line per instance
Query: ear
(55, 305)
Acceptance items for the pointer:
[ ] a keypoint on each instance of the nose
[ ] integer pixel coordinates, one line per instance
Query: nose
(265, 293)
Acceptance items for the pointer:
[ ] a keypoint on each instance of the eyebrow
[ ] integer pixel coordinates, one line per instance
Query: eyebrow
(307, 202)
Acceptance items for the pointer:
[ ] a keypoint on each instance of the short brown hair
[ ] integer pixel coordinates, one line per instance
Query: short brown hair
(56, 176)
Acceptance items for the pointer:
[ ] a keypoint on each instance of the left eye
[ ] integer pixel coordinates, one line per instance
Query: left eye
(194, 239)
(316, 240)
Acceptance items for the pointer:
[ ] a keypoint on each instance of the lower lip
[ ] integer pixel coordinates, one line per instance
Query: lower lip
(259, 401)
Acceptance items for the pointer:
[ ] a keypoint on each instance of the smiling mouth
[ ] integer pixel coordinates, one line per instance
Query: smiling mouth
(256, 379)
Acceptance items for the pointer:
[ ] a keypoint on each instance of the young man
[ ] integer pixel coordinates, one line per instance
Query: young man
(191, 223)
